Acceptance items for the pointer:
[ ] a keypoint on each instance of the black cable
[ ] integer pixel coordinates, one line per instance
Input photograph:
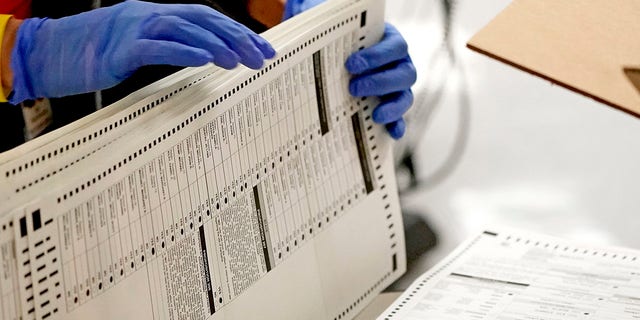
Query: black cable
(428, 99)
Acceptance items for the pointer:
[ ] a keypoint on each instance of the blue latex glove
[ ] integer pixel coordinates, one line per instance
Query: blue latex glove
(100, 48)
(385, 70)
(294, 7)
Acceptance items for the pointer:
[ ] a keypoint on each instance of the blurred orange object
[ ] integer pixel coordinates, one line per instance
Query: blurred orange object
(267, 12)
(20, 9)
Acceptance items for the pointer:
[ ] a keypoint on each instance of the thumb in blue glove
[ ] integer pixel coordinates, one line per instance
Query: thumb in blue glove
(100, 48)
(385, 70)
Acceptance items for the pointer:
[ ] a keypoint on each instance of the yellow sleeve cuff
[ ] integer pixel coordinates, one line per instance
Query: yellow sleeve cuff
(4, 18)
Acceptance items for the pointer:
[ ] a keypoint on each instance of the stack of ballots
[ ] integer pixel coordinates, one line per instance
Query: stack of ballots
(212, 194)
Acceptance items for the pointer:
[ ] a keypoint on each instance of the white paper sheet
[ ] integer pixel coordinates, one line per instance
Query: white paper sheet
(517, 275)
(215, 194)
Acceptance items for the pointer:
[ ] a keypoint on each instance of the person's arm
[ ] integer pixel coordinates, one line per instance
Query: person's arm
(8, 30)
(98, 49)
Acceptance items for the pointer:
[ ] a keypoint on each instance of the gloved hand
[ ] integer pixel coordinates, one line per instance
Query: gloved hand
(100, 48)
(294, 7)
(385, 70)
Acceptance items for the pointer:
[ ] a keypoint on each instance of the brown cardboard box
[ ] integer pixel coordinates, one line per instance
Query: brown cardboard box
(589, 46)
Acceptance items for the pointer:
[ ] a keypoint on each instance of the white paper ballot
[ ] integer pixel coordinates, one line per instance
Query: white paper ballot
(213, 194)
(520, 276)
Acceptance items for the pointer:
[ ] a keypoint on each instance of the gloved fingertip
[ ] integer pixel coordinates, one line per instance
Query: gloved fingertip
(227, 65)
(356, 64)
(396, 129)
(206, 58)
(354, 88)
(226, 60)
(252, 57)
(264, 46)
(379, 116)
(267, 50)
(254, 63)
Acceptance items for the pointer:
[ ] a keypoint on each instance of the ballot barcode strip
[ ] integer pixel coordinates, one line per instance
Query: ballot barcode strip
(207, 274)
(362, 152)
(264, 231)
(320, 87)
